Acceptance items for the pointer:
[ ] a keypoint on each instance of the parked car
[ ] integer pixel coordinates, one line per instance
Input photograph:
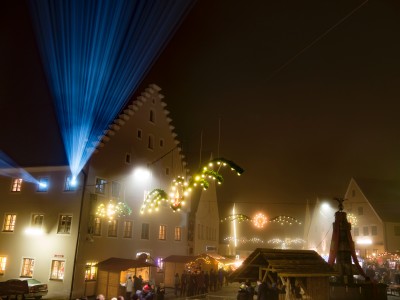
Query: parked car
(36, 289)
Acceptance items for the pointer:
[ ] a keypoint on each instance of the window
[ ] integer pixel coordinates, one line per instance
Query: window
(360, 211)
(374, 230)
(16, 185)
(161, 143)
(162, 232)
(178, 234)
(64, 224)
(139, 134)
(70, 184)
(128, 158)
(112, 228)
(97, 226)
(3, 262)
(365, 230)
(100, 185)
(27, 267)
(152, 117)
(150, 143)
(57, 269)
(43, 185)
(128, 225)
(9, 222)
(116, 188)
(397, 230)
(37, 220)
(91, 271)
(356, 231)
(145, 231)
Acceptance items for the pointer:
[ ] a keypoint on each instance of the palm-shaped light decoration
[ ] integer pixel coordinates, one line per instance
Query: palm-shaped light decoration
(180, 188)
(113, 210)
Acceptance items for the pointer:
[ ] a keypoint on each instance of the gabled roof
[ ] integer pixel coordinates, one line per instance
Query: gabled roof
(383, 195)
(122, 264)
(287, 263)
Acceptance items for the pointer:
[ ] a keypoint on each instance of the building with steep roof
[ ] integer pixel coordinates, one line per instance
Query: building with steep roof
(60, 234)
(373, 208)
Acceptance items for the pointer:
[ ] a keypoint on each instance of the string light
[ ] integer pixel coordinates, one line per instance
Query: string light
(352, 219)
(238, 217)
(285, 220)
(113, 210)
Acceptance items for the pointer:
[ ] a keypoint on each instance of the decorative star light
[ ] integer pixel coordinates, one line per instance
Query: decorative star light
(260, 220)
(180, 188)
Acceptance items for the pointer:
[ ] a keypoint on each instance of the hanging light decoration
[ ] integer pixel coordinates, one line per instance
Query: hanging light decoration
(181, 188)
(285, 220)
(236, 217)
(113, 210)
(352, 219)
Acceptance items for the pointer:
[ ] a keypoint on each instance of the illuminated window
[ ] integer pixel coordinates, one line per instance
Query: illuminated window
(70, 185)
(3, 262)
(37, 220)
(152, 117)
(356, 231)
(178, 234)
(150, 143)
(97, 226)
(162, 232)
(139, 134)
(100, 185)
(43, 185)
(27, 267)
(91, 271)
(57, 269)
(160, 264)
(116, 188)
(128, 225)
(16, 185)
(112, 228)
(9, 222)
(64, 224)
(374, 230)
(145, 231)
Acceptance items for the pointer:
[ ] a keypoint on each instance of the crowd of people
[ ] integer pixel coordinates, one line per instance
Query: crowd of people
(268, 291)
(200, 282)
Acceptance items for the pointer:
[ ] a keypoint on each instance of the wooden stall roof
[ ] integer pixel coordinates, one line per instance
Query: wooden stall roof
(286, 263)
(122, 264)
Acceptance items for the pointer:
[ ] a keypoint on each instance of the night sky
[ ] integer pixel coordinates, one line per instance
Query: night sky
(302, 94)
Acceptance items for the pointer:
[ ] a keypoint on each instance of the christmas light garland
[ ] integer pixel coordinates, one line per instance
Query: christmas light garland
(180, 188)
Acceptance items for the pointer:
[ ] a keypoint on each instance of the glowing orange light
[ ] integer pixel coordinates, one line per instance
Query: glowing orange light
(260, 220)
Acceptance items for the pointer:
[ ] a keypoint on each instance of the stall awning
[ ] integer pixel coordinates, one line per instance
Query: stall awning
(122, 264)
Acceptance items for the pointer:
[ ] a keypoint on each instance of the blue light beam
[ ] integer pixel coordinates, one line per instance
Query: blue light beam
(95, 53)
(9, 168)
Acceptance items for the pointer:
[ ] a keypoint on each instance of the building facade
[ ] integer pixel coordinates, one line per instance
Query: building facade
(60, 233)
(372, 207)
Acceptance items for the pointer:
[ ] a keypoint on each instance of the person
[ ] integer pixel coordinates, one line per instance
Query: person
(177, 283)
(146, 293)
(250, 289)
(262, 291)
(160, 292)
(120, 298)
(100, 297)
(129, 288)
(184, 279)
(243, 293)
(137, 283)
